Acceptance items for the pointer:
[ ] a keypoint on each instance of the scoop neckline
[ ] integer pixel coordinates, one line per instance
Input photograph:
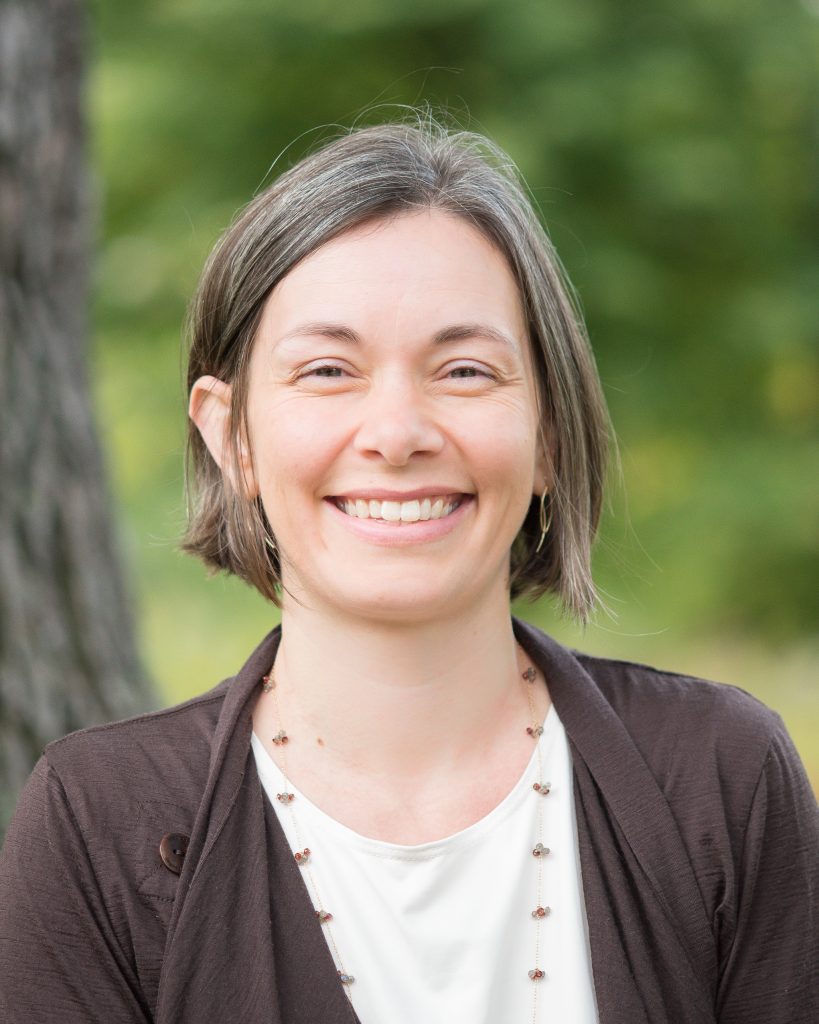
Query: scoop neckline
(416, 851)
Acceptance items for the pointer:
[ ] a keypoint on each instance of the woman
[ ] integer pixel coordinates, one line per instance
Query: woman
(407, 805)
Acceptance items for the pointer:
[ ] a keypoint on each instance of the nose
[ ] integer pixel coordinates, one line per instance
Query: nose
(397, 423)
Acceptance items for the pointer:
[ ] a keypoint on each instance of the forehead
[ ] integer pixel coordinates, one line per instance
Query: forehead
(412, 271)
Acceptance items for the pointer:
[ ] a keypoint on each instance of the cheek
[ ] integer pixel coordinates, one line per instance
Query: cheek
(503, 443)
(291, 454)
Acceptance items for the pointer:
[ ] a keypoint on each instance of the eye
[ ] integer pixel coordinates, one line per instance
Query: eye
(325, 371)
(469, 371)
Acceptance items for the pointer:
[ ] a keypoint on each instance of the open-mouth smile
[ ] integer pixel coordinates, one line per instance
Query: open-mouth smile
(412, 511)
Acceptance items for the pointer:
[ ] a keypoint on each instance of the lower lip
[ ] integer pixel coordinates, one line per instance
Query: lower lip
(396, 535)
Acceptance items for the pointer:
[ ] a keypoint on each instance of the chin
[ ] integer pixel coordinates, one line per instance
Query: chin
(402, 604)
(399, 599)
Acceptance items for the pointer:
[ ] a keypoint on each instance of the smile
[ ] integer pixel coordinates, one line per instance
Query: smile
(414, 511)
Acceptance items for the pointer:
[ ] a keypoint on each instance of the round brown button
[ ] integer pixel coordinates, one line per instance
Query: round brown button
(172, 850)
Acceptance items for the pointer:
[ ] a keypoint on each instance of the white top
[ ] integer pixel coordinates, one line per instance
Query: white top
(442, 932)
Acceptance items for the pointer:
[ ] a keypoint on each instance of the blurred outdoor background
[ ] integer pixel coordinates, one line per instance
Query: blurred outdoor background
(672, 148)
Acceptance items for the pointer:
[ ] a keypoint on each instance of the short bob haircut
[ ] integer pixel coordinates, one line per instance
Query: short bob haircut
(380, 172)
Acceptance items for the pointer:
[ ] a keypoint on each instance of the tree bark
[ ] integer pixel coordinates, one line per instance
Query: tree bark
(67, 652)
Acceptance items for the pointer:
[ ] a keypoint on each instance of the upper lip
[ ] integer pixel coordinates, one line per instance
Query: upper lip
(380, 494)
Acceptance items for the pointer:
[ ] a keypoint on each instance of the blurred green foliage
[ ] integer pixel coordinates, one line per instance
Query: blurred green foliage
(671, 148)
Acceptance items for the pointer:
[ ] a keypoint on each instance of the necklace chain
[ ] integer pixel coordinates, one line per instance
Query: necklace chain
(303, 855)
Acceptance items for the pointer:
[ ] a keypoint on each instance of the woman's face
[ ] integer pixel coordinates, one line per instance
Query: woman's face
(393, 421)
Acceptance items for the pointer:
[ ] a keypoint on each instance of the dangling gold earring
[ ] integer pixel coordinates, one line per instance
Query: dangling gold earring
(545, 523)
(267, 535)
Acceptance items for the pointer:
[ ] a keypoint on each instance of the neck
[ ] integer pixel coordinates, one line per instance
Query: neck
(400, 700)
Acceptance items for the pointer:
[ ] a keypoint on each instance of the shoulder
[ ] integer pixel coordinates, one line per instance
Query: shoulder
(682, 726)
(698, 737)
(119, 771)
(657, 705)
(154, 766)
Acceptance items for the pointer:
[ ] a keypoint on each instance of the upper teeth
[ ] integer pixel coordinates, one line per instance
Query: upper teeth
(399, 511)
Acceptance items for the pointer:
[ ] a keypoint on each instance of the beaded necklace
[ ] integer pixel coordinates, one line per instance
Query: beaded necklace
(303, 854)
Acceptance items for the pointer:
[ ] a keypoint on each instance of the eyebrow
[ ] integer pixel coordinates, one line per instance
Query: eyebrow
(453, 332)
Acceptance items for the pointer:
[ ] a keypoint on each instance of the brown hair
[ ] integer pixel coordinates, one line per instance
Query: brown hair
(366, 174)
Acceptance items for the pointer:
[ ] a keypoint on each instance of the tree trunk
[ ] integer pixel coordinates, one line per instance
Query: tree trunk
(67, 652)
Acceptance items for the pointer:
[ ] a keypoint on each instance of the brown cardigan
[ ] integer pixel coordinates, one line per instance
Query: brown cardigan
(698, 836)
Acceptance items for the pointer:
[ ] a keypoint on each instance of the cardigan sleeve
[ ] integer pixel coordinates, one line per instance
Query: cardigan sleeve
(771, 971)
(60, 957)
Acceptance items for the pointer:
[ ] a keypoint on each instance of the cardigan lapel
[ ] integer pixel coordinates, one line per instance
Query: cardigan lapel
(653, 951)
(243, 942)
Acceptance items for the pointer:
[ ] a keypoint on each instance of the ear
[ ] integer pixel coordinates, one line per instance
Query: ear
(209, 408)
